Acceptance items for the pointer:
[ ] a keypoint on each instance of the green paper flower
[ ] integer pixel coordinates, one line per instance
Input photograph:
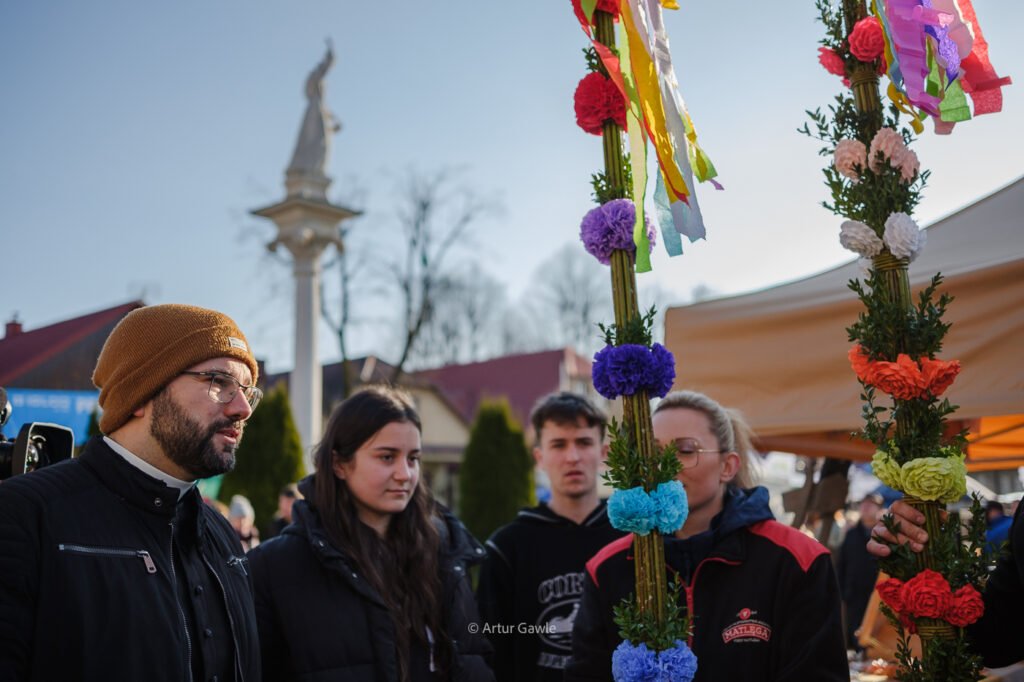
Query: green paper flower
(959, 465)
(887, 470)
(935, 478)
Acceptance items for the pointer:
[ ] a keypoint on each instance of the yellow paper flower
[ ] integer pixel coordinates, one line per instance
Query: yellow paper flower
(887, 470)
(935, 478)
(959, 465)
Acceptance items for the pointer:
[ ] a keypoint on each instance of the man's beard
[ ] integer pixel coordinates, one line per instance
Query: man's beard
(186, 443)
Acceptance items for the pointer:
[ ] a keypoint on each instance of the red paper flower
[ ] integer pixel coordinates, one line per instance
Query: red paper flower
(598, 100)
(926, 595)
(901, 379)
(832, 62)
(967, 606)
(866, 40)
(939, 374)
(908, 624)
(889, 591)
(609, 6)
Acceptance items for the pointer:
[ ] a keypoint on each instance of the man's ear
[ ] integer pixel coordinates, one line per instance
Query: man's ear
(604, 451)
(537, 456)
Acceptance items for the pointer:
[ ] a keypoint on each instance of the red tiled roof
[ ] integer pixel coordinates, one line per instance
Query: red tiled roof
(522, 379)
(26, 350)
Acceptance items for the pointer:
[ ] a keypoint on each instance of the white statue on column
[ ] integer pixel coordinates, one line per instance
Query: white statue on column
(305, 174)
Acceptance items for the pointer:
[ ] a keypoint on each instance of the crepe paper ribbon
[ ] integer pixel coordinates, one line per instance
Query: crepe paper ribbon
(644, 73)
(687, 217)
(637, 155)
(936, 24)
(912, 49)
(651, 103)
(669, 235)
(980, 80)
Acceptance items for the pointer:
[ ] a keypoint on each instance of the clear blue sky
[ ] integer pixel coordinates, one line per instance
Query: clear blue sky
(135, 137)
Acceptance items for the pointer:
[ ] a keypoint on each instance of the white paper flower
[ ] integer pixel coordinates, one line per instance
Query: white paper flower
(903, 237)
(865, 266)
(859, 238)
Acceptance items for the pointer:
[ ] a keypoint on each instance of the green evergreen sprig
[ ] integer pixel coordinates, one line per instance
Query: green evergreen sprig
(627, 469)
(604, 191)
(636, 330)
(637, 626)
(884, 329)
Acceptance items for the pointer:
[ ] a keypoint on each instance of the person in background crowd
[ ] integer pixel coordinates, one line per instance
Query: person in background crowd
(762, 597)
(285, 499)
(370, 579)
(997, 525)
(857, 569)
(533, 573)
(243, 519)
(111, 567)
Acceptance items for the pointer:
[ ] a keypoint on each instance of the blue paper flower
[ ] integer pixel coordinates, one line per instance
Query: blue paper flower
(635, 664)
(678, 664)
(631, 511)
(663, 372)
(670, 507)
(630, 368)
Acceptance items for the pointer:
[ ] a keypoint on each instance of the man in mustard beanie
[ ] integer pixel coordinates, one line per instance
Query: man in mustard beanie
(111, 566)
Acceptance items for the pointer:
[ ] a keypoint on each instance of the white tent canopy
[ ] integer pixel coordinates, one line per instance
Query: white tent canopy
(780, 354)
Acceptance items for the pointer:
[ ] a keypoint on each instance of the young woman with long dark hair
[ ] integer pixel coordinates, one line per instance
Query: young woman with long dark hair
(369, 582)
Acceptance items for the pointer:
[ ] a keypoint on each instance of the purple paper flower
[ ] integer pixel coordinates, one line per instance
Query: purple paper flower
(609, 227)
(634, 664)
(630, 368)
(664, 371)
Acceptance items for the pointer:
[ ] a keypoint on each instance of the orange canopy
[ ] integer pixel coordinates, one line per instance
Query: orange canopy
(780, 354)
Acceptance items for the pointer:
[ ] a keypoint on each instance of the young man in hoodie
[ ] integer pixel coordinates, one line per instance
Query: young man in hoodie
(532, 579)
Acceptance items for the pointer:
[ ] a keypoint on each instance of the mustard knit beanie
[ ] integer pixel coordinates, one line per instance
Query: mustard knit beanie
(151, 346)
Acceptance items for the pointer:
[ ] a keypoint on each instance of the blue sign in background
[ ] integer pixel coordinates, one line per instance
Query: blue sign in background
(67, 408)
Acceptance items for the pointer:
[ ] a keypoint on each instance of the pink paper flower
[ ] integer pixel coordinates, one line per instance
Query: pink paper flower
(866, 40)
(832, 62)
(850, 157)
(909, 165)
(890, 144)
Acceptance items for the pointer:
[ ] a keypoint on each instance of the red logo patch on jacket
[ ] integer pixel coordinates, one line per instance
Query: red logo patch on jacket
(747, 629)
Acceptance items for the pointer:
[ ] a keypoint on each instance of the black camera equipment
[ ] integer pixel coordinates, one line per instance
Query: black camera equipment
(38, 444)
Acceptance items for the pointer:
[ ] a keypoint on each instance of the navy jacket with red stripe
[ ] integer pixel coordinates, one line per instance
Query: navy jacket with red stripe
(763, 597)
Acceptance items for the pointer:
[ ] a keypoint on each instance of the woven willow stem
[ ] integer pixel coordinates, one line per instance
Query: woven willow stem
(927, 628)
(863, 79)
(894, 282)
(649, 551)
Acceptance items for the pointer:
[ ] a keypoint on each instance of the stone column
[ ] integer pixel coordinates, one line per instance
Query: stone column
(307, 224)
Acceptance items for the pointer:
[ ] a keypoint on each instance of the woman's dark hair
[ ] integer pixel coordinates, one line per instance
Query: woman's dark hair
(402, 566)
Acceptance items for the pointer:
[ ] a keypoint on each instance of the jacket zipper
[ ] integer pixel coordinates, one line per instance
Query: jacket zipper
(227, 609)
(177, 602)
(106, 551)
(693, 582)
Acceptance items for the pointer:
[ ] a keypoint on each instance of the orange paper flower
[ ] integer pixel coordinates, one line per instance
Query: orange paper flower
(901, 379)
(860, 362)
(939, 374)
(904, 379)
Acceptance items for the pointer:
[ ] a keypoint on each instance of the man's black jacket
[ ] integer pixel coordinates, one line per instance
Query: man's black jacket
(88, 586)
